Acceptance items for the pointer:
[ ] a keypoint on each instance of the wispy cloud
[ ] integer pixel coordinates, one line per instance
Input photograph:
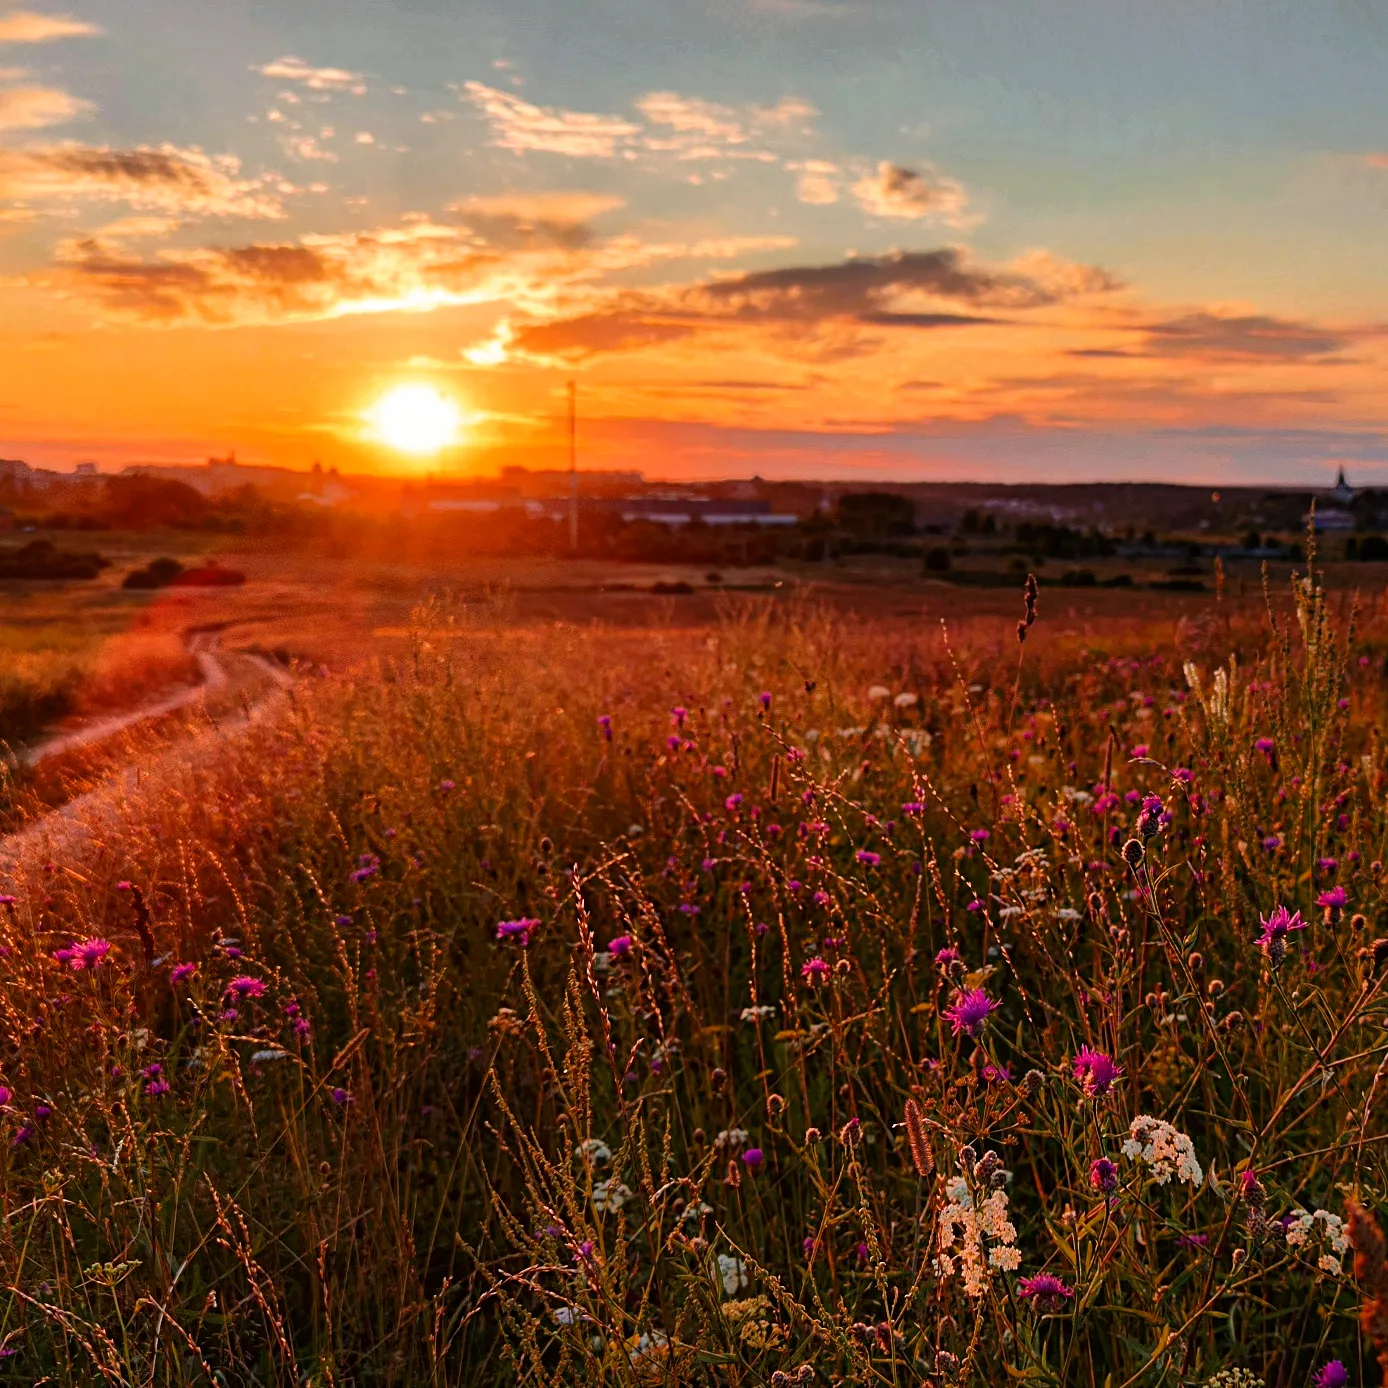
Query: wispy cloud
(318, 79)
(894, 191)
(818, 183)
(34, 108)
(25, 26)
(521, 126)
(166, 179)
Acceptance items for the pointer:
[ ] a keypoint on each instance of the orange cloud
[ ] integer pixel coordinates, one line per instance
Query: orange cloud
(24, 26)
(33, 108)
(167, 179)
(415, 267)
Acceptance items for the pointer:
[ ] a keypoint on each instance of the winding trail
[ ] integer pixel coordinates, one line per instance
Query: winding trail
(85, 817)
(203, 645)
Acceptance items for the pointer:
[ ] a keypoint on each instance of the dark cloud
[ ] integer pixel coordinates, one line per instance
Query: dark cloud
(1250, 337)
(167, 179)
(900, 290)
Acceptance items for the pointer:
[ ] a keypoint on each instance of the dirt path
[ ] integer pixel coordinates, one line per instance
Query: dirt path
(202, 645)
(92, 815)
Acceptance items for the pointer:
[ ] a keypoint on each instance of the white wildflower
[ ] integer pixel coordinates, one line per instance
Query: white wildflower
(594, 1151)
(1328, 1262)
(906, 700)
(878, 692)
(731, 1137)
(755, 1014)
(733, 1273)
(263, 1057)
(1168, 1152)
(610, 1195)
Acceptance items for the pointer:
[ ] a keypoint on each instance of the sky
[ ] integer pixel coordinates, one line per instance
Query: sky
(1003, 240)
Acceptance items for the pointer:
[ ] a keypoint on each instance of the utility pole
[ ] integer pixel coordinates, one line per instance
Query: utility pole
(573, 466)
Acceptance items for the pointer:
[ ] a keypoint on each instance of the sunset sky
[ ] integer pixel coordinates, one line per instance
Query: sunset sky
(1030, 240)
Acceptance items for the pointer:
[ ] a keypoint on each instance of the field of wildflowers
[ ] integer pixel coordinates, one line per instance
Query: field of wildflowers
(792, 1001)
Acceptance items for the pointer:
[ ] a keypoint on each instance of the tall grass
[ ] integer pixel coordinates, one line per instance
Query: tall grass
(788, 1002)
(47, 673)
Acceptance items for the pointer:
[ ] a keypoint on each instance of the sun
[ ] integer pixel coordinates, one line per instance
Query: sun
(416, 419)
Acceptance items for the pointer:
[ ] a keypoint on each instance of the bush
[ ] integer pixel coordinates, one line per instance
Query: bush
(938, 560)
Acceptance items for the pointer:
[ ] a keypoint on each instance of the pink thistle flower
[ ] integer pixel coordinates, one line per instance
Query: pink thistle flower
(1276, 928)
(1096, 1072)
(765, 699)
(947, 958)
(814, 971)
(84, 954)
(753, 1158)
(1335, 897)
(619, 945)
(1045, 1291)
(155, 1088)
(970, 1011)
(733, 801)
(980, 835)
(1331, 1375)
(5, 1096)
(868, 858)
(246, 986)
(605, 723)
(179, 972)
(341, 1097)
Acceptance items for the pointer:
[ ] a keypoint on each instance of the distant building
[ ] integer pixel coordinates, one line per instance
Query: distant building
(1330, 518)
(1342, 493)
(85, 470)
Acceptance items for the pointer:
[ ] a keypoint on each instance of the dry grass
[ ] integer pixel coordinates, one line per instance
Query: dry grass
(368, 1141)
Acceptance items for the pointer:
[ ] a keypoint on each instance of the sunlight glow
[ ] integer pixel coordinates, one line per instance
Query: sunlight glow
(416, 419)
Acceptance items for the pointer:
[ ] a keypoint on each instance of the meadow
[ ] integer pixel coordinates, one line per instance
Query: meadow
(780, 997)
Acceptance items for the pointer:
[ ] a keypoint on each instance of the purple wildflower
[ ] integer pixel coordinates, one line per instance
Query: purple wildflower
(980, 835)
(733, 801)
(368, 865)
(518, 930)
(247, 986)
(868, 857)
(605, 723)
(1045, 1291)
(969, 1011)
(5, 1096)
(341, 1097)
(1096, 1072)
(947, 958)
(912, 807)
(753, 1158)
(84, 954)
(765, 699)
(1103, 1176)
(619, 945)
(1331, 1375)
(156, 1087)
(1276, 928)
(181, 971)
(814, 971)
